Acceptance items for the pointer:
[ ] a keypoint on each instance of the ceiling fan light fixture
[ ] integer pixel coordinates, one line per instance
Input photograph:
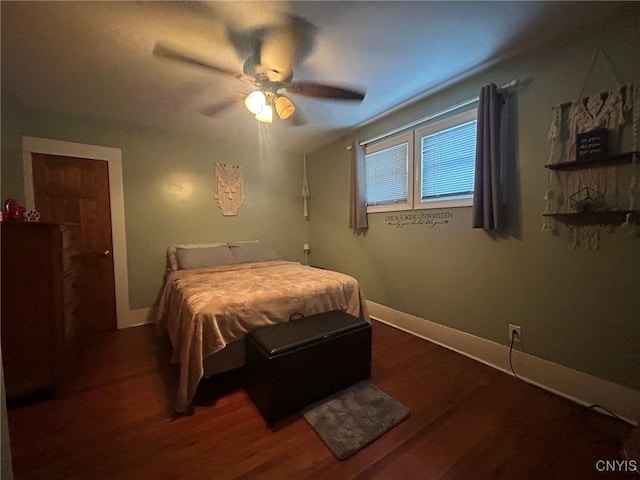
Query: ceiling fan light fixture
(255, 102)
(284, 107)
(265, 115)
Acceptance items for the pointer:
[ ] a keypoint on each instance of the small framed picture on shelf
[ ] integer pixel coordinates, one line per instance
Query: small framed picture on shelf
(592, 144)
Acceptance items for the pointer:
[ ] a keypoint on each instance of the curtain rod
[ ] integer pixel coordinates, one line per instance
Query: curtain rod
(510, 84)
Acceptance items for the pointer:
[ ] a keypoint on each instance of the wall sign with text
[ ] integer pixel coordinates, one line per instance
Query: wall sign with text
(430, 219)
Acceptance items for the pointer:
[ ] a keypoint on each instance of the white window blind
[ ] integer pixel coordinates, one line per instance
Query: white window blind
(448, 163)
(387, 175)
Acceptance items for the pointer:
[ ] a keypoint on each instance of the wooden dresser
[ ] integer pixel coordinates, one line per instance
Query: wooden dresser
(40, 267)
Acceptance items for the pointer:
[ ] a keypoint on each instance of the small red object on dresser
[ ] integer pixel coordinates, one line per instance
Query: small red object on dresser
(12, 211)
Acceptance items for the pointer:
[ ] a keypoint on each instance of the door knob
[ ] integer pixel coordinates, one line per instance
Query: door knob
(106, 253)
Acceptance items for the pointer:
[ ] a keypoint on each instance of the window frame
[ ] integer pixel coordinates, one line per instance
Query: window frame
(390, 142)
(437, 126)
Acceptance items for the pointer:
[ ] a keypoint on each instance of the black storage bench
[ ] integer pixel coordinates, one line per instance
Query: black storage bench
(293, 364)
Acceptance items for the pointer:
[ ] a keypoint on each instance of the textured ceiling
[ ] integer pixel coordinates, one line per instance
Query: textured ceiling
(94, 59)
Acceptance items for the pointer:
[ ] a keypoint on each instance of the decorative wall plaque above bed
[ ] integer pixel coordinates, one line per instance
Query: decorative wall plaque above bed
(229, 188)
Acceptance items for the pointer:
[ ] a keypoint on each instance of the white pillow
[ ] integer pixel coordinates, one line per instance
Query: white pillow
(204, 257)
(172, 259)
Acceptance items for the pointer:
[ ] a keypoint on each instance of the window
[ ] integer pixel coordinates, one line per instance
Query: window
(439, 175)
(445, 174)
(387, 166)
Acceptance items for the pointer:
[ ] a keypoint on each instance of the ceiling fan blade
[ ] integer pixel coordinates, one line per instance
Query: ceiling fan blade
(213, 110)
(323, 91)
(252, 61)
(169, 53)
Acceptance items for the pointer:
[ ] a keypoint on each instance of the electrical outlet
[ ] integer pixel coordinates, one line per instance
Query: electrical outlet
(514, 332)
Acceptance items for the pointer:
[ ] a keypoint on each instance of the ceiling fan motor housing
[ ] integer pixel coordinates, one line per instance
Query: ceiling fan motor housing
(253, 68)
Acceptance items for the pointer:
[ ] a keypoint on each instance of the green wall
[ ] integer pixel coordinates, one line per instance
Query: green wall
(168, 182)
(577, 307)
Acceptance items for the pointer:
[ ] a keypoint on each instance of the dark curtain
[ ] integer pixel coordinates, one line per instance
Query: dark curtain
(357, 204)
(486, 198)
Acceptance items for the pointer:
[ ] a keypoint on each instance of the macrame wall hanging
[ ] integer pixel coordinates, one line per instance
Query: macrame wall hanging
(610, 110)
(229, 188)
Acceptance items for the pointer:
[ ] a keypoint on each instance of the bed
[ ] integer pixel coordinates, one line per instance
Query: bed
(215, 293)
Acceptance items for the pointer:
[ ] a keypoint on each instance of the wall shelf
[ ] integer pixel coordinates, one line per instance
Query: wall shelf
(604, 217)
(617, 159)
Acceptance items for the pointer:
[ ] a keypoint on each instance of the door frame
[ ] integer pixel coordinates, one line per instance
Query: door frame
(113, 156)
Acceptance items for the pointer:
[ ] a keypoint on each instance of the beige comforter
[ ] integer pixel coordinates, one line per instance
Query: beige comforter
(205, 309)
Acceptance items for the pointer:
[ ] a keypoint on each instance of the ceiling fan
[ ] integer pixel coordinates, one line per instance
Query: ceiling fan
(269, 72)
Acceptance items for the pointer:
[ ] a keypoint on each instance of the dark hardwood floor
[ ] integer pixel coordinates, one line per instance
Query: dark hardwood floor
(468, 421)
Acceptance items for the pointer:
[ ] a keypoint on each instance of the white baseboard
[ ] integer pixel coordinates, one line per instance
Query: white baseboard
(571, 384)
(137, 317)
